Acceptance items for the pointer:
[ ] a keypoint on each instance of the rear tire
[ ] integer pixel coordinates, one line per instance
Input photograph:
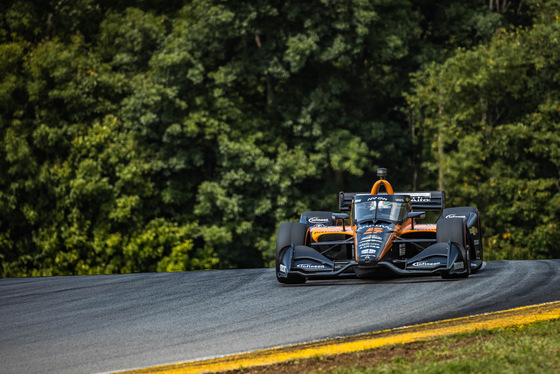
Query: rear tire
(288, 233)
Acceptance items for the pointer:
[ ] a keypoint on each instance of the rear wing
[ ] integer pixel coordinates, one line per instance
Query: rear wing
(429, 200)
(419, 201)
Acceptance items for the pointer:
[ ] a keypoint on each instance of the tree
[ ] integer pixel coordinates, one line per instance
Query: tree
(174, 136)
(488, 112)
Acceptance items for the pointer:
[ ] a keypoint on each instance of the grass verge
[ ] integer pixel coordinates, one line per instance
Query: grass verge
(533, 348)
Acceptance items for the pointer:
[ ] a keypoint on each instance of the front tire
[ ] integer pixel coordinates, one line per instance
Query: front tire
(474, 238)
(454, 230)
(289, 233)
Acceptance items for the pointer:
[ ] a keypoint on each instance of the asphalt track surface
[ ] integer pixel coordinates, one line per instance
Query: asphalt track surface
(93, 324)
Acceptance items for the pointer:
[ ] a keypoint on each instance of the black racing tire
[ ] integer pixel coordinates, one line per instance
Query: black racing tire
(466, 211)
(288, 233)
(456, 231)
(459, 211)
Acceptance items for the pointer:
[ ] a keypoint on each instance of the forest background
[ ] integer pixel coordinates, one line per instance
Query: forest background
(177, 135)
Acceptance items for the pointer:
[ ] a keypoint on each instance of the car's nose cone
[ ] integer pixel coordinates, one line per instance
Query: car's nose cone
(369, 246)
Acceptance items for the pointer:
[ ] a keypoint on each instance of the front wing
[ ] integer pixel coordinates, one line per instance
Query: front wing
(440, 258)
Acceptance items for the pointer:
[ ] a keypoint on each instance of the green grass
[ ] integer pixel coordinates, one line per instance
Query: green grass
(529, 349)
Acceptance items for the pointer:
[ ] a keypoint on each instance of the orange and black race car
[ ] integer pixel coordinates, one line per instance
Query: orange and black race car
(381, 237)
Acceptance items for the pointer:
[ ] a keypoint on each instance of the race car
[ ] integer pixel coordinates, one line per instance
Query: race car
(380, 237)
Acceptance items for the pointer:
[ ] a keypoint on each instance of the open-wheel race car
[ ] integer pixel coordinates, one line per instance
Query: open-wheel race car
(380, 237)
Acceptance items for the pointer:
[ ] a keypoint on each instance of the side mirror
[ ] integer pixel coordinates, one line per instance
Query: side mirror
(343, 217)
(340, 215)
(420, 215)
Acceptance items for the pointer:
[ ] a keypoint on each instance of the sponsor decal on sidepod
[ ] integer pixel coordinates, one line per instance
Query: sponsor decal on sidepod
(455, 216)
(318, 220)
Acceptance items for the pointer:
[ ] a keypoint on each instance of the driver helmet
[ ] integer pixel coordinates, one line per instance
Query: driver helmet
(385, 208)
(365, 209)
(361, 209)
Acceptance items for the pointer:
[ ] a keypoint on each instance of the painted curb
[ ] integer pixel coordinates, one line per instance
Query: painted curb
(425, 331)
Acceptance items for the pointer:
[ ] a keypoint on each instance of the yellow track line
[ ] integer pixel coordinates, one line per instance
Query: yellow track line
(506, 318)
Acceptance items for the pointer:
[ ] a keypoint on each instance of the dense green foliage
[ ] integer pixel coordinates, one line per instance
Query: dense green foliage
(490, 116)
(178, 135)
